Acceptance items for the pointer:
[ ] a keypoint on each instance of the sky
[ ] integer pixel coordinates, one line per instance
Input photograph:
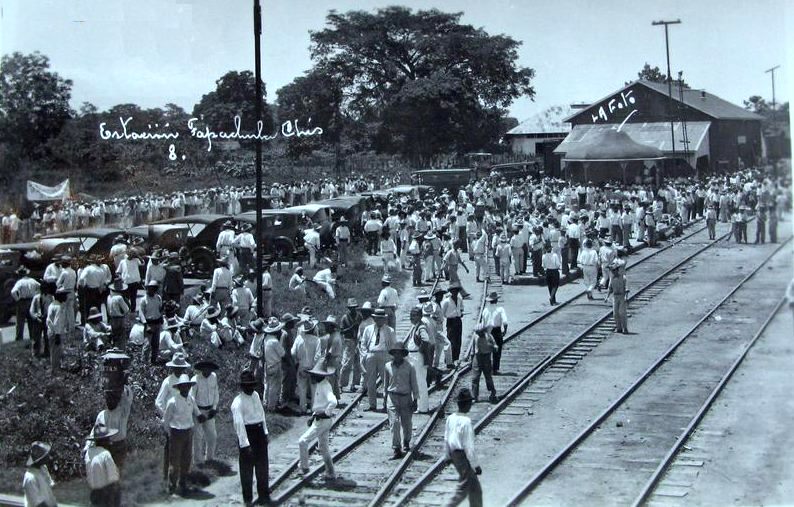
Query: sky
(152, 52)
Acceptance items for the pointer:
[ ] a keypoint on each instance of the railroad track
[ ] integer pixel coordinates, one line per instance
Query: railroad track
(354, 438)
(557, 342)
(351, 430)
(624, 465)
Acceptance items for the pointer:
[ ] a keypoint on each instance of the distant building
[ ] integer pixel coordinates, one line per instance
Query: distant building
(539, 135)
(708, 134)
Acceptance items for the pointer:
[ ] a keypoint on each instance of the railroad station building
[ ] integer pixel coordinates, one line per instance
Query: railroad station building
(637, 134)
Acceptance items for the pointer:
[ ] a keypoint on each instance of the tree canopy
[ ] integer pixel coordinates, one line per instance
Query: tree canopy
(655, 75)
(233, 96)
(34, 101)
(393, 64)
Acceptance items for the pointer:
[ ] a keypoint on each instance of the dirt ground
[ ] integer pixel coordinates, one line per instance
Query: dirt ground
(580, 395)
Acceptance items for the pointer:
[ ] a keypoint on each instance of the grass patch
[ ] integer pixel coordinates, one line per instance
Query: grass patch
(35, 405)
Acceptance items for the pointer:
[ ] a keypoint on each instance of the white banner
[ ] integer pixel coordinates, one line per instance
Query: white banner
(39, 192)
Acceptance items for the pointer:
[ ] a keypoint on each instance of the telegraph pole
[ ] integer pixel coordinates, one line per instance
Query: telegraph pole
(258, 88)
(666, 24)
(774, 124)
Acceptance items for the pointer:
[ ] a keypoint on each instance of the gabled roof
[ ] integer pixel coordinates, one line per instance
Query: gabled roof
(703, 101)
(550, 121)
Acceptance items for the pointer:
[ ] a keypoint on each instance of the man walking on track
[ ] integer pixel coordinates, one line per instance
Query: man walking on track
(402, 393)
(618, 289)
(459, 443)
(495, 319)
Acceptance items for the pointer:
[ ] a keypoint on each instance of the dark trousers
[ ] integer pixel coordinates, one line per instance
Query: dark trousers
(482, 365)
(454, 332)
(132, 295)
(573, 243)
(564, 255)
(464, 247)
(118, 335)
(468, 483)
(255, 462)
(525, 248)
(93, 298)
(712, 227)
(180, 454)
(497, 354)
(417, 271)
(36, 332)
(553, 283)
(23, 316)
(537, 257)
(246, 258)
(617, 234)
(109, 496)
(372, 243)
(153, 327)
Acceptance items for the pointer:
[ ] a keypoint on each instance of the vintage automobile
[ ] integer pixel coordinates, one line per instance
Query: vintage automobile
(35, 256)
(351, 207)
(248, 202)
(282, 233)
(96, 241)
(202, 235)
(439, 179)
(166, 236)
(410, 191)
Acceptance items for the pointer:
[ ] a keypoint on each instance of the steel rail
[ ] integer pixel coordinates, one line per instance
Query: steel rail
(541, 367)
(585, 433)
(651, 484)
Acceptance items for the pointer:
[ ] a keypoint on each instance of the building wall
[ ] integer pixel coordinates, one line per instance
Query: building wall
(524, 145)
(730, 140)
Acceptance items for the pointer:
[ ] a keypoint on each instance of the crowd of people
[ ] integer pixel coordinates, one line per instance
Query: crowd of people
(301, 363)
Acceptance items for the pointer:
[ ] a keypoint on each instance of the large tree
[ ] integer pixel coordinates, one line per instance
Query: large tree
(425, 61)
(234, 95)
(313, 100)
(34, 102)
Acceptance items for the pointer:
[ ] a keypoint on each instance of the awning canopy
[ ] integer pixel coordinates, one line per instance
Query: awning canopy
(634, 141)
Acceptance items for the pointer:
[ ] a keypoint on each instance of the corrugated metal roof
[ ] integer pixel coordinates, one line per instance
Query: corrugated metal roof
(711, 105)
(656, 134)
(550, 121)
(705, 102)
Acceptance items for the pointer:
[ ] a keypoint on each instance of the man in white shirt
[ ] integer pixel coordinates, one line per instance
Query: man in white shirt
(378, 339)
(323, 405)
(181, 415)
(388, 299)
(37, 483)
(459, 444)
(205, 392)
(342, 236)
(221, 283)
(248, 417)
(101, 471)
(246, 246)
(130, 274)
(23, 292)
(326, 278)
(452, 311)
(67, 281)
(495, 319)
(311, 240)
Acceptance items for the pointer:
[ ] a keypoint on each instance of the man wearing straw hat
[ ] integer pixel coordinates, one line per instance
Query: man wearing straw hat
(330, 346)
(388, 299)
(272, 354)
(118, 309)
(101, 471)
(421, 349)
(221, 283)
(248, 418)
(303, 351)
(350, 357)
(495, 319)
(56, 326)
(402, 392)
(179, 419)
(151, 313)
(323, 405)
(378, 339)
(118, 402)
(205, 393)
(37, 483)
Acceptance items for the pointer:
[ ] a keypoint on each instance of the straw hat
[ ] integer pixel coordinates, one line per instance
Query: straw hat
(398, 348)
(273, 326)
(493, 297)
(322, 368)
(94, 314)
(247, 378)
(184, 380)
(38, 453)
(178, 361)
(101, 431)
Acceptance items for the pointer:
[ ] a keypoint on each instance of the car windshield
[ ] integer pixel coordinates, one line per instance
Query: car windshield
(87, 243)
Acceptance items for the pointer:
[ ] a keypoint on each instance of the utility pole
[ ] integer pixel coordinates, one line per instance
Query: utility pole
(258, 91)
(774, 124)
(666, 24)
